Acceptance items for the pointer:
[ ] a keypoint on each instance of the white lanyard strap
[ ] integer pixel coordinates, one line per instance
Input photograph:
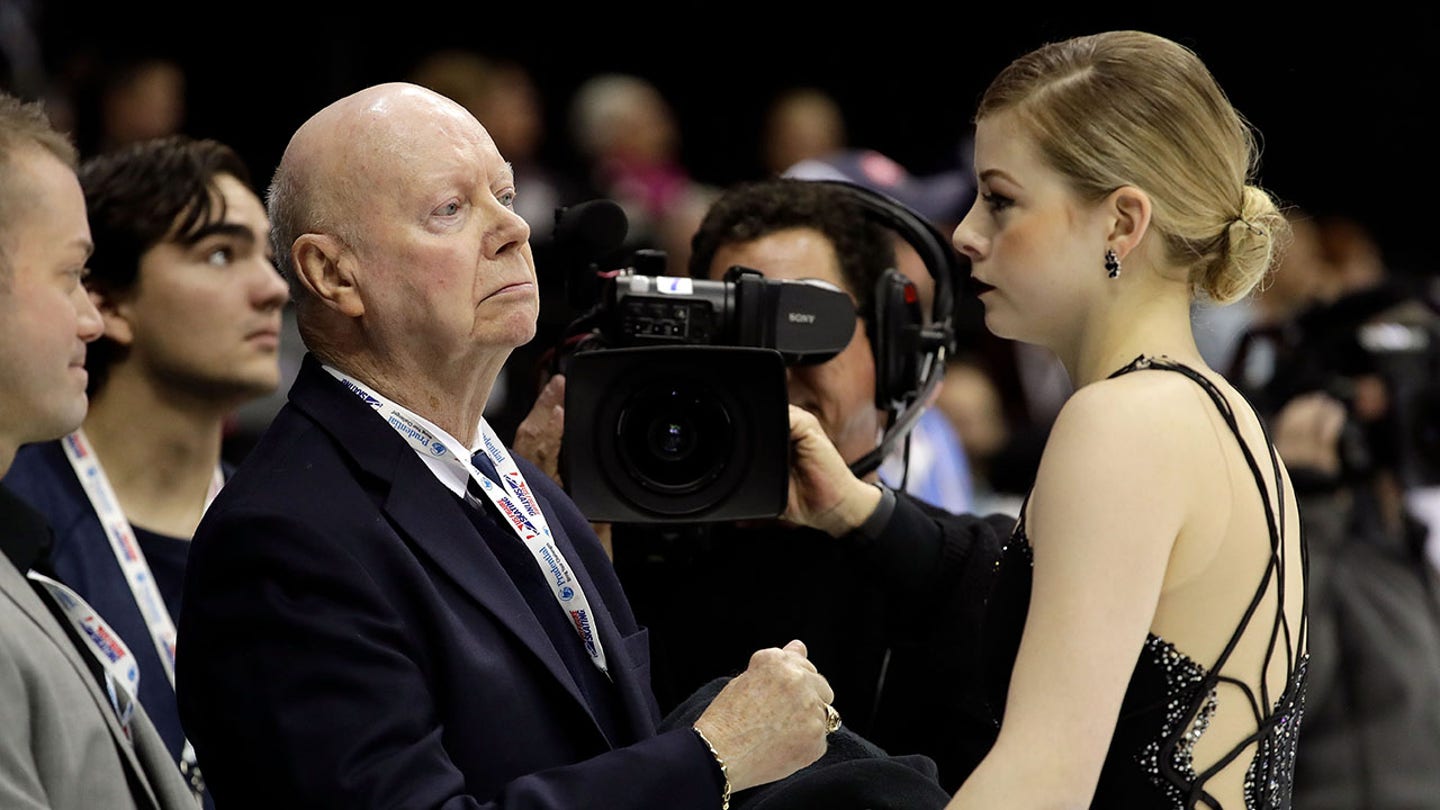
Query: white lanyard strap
(512, 499)
(122, 673)
(133, 564)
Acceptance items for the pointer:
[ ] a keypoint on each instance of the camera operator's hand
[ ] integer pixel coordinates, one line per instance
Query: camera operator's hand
(824, 493)
(769, 721)
(1307, 432)
(538, 436)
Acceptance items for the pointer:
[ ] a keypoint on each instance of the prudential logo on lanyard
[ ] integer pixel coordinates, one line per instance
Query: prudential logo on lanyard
(511, 496)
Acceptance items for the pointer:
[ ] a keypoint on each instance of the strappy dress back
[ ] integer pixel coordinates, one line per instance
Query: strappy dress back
(1172, 698)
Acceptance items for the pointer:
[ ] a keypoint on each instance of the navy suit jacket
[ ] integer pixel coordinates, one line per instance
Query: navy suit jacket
(350, 639)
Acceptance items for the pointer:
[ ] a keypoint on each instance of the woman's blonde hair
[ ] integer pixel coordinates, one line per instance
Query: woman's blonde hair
(1128, 108)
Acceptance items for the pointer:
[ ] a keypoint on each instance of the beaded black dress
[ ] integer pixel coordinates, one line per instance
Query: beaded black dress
(1171, 698)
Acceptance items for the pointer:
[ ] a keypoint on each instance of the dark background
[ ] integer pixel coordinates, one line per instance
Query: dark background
(1343, 99)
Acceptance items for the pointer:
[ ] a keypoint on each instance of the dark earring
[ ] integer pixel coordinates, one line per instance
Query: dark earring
(1112, 263)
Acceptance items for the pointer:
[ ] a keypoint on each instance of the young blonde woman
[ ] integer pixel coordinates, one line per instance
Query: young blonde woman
(1157, 566)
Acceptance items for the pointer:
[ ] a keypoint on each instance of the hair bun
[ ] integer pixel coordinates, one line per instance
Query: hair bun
(1252, 241)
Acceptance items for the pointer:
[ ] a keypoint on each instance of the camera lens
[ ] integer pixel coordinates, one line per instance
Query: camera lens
(671, 440)
(674, 438)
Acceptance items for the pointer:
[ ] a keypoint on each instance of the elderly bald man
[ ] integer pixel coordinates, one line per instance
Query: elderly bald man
(384, 607)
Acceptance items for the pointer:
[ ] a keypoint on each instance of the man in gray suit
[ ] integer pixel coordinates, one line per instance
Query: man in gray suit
(71, 736)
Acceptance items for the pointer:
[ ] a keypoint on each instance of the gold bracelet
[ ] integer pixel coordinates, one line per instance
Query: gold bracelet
(724, 772)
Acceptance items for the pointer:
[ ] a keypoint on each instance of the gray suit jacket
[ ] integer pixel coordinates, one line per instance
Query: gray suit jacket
(61, 745)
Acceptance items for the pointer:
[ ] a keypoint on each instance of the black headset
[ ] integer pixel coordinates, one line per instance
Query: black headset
(909, 353)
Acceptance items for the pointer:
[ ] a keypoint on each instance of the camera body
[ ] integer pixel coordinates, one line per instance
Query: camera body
(675, 398)
(1390, 335)
(676, 395)
(805, 321)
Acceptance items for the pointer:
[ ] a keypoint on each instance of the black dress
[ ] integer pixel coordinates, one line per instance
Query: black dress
(1171, 698)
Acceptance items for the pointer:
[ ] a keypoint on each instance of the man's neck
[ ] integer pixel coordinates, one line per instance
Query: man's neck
(453, 401)
(7, 454)
(159, 452)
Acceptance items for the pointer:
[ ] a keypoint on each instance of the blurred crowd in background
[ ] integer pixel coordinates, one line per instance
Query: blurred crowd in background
(1339, 318)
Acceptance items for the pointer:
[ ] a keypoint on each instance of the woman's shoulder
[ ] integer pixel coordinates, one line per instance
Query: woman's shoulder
(1133, 403)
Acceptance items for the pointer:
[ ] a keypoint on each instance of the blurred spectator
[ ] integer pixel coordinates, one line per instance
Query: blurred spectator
(1028, 386)
(970, 400)
(1358, 427)
(22, 64)
(627, 133)
(142, 100)
(1354, 258)
(801, 123)
(1343, 359)
(120, 101)
(942, 198)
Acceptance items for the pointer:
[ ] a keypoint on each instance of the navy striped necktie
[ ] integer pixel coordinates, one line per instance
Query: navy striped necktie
(482, 462)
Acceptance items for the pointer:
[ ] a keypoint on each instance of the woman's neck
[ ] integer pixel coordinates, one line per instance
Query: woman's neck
(1155, 325)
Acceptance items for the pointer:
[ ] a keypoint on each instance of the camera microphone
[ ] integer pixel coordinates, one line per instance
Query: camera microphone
(585, 234)
(591, 229)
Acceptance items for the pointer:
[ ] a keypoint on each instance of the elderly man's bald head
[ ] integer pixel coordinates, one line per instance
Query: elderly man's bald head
(350, 148)
(332, 178)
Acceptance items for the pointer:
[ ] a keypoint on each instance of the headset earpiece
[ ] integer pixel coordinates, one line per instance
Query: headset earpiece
(909, 351)
(895, 327)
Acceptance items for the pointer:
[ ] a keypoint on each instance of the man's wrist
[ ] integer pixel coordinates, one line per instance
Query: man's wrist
(719, 761)
(879, 518)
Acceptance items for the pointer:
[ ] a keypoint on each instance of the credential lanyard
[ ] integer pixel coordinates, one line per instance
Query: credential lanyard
(122, 673)
(133, 564)
(512, 498)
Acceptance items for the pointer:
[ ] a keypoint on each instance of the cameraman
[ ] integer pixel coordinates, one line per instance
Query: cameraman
(885, 589)
(1352, 422)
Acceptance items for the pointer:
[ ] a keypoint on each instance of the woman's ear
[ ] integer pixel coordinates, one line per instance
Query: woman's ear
(326, 268)
(1129, 210)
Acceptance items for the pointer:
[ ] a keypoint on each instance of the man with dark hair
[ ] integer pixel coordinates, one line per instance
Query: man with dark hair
(795, 229)
(753, 211)
(887, 598)
(191, 305)
(65, 742)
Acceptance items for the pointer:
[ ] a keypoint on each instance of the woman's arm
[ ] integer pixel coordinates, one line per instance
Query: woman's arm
(1110, 498)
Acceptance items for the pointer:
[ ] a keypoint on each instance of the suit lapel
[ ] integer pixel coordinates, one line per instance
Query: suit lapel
(431, 518)
(19, 591)
(621, 667)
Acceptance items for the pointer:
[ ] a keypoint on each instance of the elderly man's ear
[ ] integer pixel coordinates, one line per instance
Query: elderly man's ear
(326, 268)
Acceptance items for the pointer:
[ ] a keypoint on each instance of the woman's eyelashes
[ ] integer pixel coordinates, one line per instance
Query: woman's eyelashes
(996, 202)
